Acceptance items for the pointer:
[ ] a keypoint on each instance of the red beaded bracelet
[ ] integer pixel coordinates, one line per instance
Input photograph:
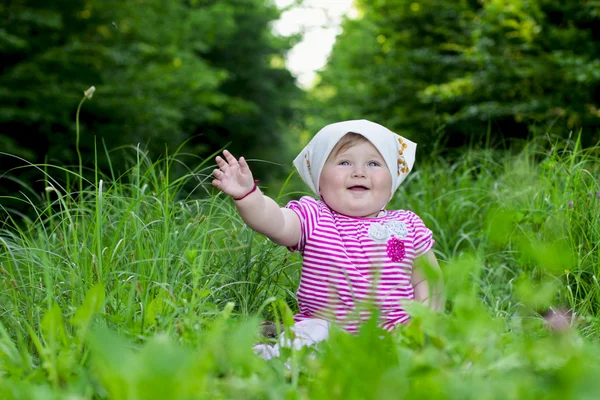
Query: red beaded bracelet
(247, 194)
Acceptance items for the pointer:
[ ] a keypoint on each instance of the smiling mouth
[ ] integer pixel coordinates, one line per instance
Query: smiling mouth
(358, 188)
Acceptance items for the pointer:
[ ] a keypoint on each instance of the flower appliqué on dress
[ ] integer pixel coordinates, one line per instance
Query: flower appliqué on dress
(397, 229)
(395, 249)
(392, 234)
(378, 233)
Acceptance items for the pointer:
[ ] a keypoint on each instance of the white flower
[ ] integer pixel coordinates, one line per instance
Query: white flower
(90, 92)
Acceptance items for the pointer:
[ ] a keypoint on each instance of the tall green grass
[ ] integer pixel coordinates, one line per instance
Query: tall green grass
(533, 213)
(141, 285)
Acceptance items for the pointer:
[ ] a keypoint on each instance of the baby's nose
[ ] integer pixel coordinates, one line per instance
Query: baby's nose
(358, 172)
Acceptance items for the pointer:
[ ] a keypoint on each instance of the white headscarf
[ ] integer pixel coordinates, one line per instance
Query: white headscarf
(398, 152)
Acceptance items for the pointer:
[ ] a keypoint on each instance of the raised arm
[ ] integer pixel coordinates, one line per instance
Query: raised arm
(258, 211)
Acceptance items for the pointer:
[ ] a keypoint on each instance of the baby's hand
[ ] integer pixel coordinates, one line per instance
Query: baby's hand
(232, 177)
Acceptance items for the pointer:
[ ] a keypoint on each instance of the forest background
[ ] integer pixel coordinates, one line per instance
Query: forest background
(204, 74)
(108, 222)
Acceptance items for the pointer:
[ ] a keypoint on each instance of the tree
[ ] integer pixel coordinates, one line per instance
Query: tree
(164, 72)
(436, 69)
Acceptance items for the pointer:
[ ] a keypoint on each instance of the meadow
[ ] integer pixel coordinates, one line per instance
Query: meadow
(143, 285)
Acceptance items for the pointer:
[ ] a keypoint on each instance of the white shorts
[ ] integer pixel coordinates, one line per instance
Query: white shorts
(307, 333)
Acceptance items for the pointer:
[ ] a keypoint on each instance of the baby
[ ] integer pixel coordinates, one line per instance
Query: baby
(355, 252)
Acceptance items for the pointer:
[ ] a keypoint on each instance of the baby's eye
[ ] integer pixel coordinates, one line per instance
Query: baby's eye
(374, 164)
(345, 163)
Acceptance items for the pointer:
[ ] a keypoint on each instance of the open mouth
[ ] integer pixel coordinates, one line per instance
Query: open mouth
(358, 188)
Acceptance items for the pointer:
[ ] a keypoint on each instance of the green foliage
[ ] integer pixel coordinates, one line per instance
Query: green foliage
(130, 289)
(127, 288)
(457, 70)
(165, 73)
(139, 252)
(533, 214)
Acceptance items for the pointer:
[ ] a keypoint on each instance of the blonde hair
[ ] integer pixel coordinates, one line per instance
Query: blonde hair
(347, 141)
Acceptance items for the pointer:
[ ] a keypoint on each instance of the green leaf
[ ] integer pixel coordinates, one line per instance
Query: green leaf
(53, 326)
(92, 304)
(158, 306)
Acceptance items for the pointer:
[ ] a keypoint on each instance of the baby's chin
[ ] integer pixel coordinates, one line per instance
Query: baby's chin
(355, 213)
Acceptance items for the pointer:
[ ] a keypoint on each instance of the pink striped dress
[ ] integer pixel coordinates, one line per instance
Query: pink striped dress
(348, 262)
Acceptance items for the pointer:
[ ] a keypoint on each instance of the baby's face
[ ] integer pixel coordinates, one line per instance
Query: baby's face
(356, 182)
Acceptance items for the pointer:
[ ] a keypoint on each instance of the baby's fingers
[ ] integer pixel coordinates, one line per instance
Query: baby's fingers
(220, 177)
(231, 160)
(244, 166)
(216, 183)
(222, 164)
